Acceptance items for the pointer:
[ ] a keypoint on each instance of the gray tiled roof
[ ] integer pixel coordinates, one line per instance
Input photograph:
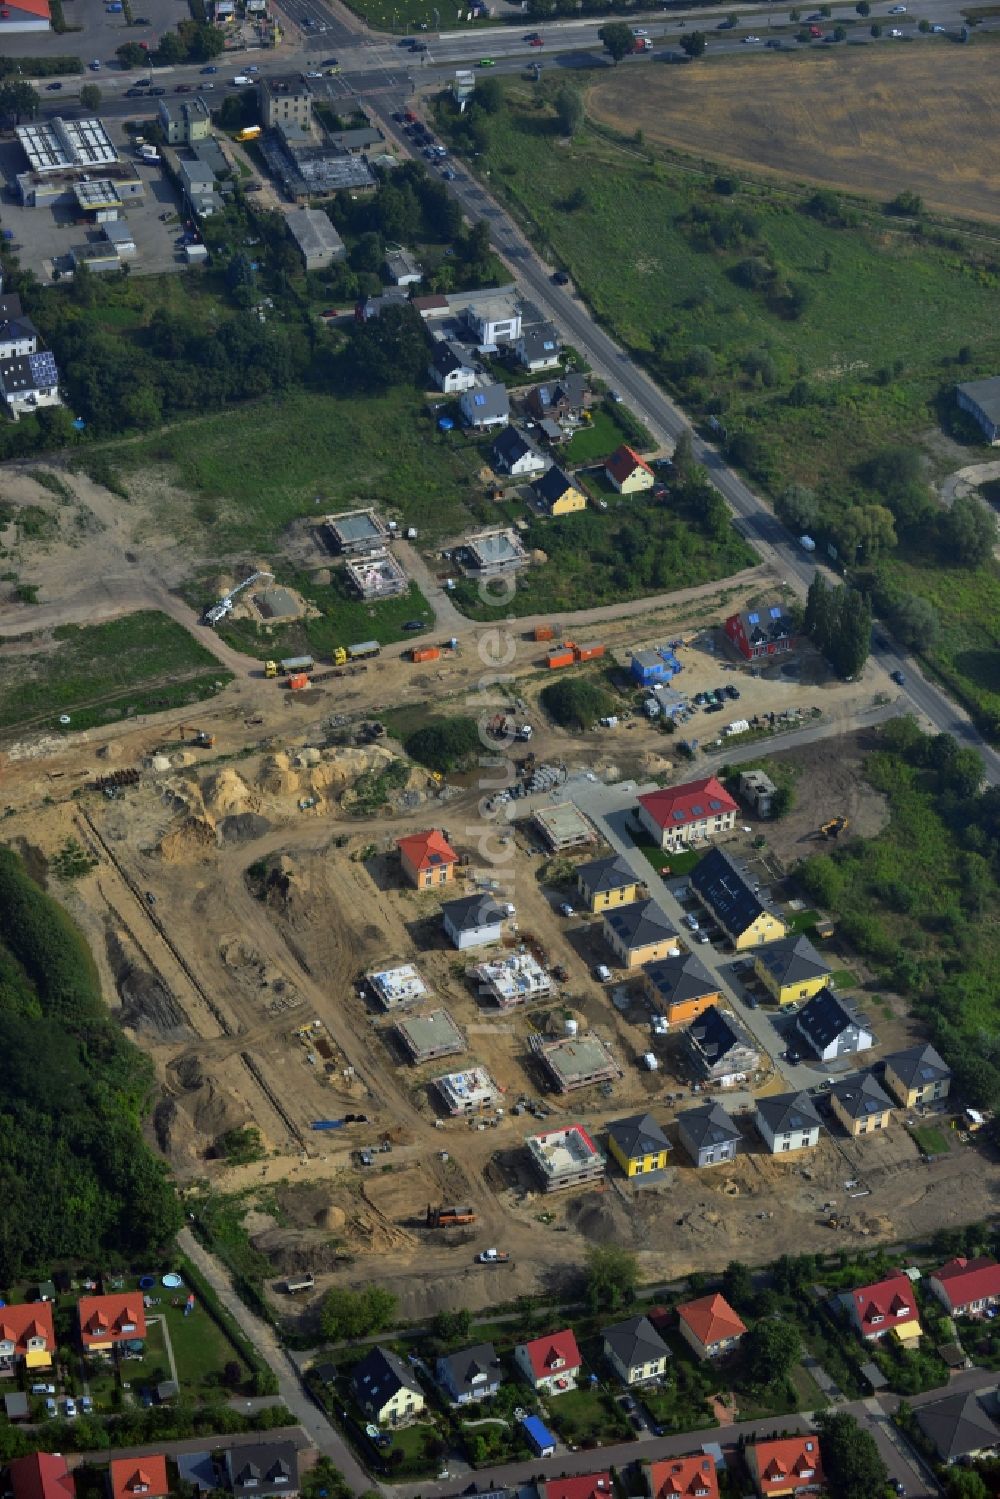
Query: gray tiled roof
(787, 1112)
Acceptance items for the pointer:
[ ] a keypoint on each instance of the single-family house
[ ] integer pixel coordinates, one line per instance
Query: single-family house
(635, 1350)
(680, 989)
(981, 399)
(691, 1477)
(689, 813)
(719, 1050)
(106, 1321)
(860, 1105)
(759, 633)
(511, 453)
(550, 1364)
(538, 347)
(887, 1306)
(605, 883)
(627, 472)
(917, 1075)
(568, 396)
(710, 1326)
(27, 1336)
(386, 1388)
(262, 1469)
(638, 1144)
(494, 318)
(470, 1374)
(18, 334)
(829, 1027)
(473, 921)
(42, 1475)
(29, 381)
(485, 406)
(199, 1470)
(708, 1134)
(557, 493)
(786, 1465)
(639, 933)
(452, 367)
(733, 901)
(967, 1288)
(787, 1122)
(427, 859)
(138, 1477)
(579, 1486)
(791, 970)
(961, 1427)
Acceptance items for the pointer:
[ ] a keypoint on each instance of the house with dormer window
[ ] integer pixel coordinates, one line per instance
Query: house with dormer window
(138, 1477)
(27, 1337)
(551, 1365)
(887, 1306)
(106, 1321)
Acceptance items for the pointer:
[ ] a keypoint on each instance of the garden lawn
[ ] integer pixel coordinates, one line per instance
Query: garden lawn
(802, 922)
(201, 1349)
(594, 442)
(587, 1416)
(929, 1139)
(97, 674)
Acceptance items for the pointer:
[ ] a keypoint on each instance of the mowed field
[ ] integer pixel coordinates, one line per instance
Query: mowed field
(870, 120)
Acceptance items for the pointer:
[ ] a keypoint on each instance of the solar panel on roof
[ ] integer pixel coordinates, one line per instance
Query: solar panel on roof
(774, 612)
(479, 400)
(754, 619)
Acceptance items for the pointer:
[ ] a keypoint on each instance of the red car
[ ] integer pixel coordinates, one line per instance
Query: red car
(536, 41)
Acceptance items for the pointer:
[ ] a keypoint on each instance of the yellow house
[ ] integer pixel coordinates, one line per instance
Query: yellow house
(628, 472)
(386, 1388)
(918, 1075)
(860, 1105)
(558, 494)
(604, 883)
(791, 970)
(729, 897)
(638, 1144)
(640, 933)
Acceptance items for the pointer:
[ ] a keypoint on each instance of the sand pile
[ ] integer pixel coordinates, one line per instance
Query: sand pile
(226, 794)
(604, 1219)
(195, 838)
(277, 777)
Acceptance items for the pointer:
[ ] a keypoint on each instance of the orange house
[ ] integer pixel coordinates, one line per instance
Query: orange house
(428, 859)
(26, 1333)
(108, 1320)
(139, 1478)
(683, 1478)
(680, 989)
(789, 1465)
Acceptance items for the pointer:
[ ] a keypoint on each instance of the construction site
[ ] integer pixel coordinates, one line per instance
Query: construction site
(244, 902)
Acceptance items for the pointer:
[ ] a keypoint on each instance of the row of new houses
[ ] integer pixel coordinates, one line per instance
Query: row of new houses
(27, 1331)
(262, 1470)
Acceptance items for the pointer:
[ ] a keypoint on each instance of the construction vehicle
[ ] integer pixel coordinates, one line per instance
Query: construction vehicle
(364, 650)
(425, 653)
(201, 737)
(224, 606)
(834, 827)
(492, 1257)
(641, 44)
(449, 1217)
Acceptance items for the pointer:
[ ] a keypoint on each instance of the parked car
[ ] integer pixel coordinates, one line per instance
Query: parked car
(43, 1389)
(86, 1404)
(69, 1408)
(566, 909)
(50, 1407)
(898, 677)
(415, 624)
(602, 973)
(560, 278)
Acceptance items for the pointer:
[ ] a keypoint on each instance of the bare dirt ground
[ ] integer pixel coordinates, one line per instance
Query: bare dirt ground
(866, 120)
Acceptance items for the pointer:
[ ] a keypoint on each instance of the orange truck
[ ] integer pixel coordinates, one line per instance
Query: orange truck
(425, 653)
(449, 1217)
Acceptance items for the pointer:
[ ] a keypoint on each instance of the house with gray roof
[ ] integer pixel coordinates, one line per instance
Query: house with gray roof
(981, 399)
(538, 348)
(916, 1076)
(719, 1050)
(680, 989)
(470, 1374)
(386, 1388)
(487, 406)
(607, 882)
(635, 1350)
(787, 1122)
(566, 396)
(860, 1104)
(961, 1427)
(792, 970)
(734, 901)
(511, 453)
(473, 921)
(829, 1027)
(640, 932)
(708, 1134)
(265, 1468)
(452, 367)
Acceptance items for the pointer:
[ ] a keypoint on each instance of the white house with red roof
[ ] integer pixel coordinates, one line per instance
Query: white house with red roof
(551, 1365)
(967, 1288)
(580, 1486)
(690, 813)
(887, 1306)
(710, 1326)
(628, 472)
(108, 1320)
(787, 1465)
(27, 1336)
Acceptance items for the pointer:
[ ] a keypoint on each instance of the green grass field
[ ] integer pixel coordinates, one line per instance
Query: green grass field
(930, 1140)
(343, 621)
(98, 674)
(594, 442)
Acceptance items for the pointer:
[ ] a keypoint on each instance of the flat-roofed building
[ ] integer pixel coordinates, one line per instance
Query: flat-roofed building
(565, 1157)
(285, 96)
(470, 1092)
(491, 552)
(184, 121)
(354, 531)
(376, 576)
(563, 826)
(394, 988)
(515, 980)
(575, 1061)
(54, 145)
(426, 1037)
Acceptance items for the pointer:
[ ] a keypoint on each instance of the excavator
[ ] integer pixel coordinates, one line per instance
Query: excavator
(834, 827)
(201, 737)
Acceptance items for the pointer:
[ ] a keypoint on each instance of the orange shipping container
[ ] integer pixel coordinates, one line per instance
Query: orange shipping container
(299, 681)
(544, 632)
(588, 652)
(425, 653)
(561, 656)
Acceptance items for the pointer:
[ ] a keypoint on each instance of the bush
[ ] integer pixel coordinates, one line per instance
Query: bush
(577, 703)
(445, 745)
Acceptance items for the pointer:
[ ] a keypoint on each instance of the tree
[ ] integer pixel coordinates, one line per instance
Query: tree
(618, 40)
(694, 43)
(863, 9)
(876, 29)
(737, 1284)
(569, 110)
(968, 531)
(450, 1327)
(131, 55)
(356, 1314)
(799, 508)
(851, 1461)
(783, 800)
(965, 1483)
(489, 95)
(611, 1278)
(19, 99)
(390, 349)
(576, 704)
(769, 1350)
(683, 455)
(232, 1374)
(90, 96)
(914, 621)
(446, 744)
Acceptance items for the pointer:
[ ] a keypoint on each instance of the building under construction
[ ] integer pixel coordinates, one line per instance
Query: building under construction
(377, 576)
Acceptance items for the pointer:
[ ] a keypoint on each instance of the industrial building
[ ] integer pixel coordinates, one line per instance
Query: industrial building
(318, 242)
(562, 827)
(512, 981)
(426, 1037)
(491, 552)
(356, 531)
(471, 1092)
(396, 987)
(575, 1061)
(377, 576)
(306, 170)
(565, 1157)
(61, 154)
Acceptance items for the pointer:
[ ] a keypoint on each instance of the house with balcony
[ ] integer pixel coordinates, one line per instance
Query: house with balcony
(27, 1337)
(551, 1365)
(108, 1321)
(887, 1306)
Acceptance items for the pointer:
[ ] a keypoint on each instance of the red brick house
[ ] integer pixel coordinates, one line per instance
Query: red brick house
(761, 632)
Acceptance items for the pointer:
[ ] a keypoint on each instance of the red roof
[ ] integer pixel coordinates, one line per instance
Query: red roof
(583, 1486)
(711, 1319)
(789, 1463)
(684, 1478)
(555, 1354)
(31, 1320)
(965, 1281)
(111, 1319)
(623, 463)
(135, 1476)
(43, 1475)
(676, 806)
(31, 7)
(427, 850)
(883, 1306)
